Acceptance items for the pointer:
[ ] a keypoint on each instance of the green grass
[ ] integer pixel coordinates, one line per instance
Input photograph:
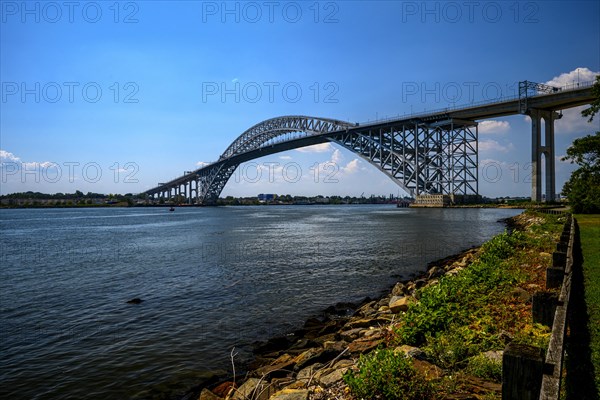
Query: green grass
(589, 228)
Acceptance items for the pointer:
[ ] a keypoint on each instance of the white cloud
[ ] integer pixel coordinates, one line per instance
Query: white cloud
(493, 127)
(580, 74)
(316, 148)
(8, 156)
(572, 121)
(492, 145)
(202, 163)
(35, 165)
(336, 157)
(351, 167)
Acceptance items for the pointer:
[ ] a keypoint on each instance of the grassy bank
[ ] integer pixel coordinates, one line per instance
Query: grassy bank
(589, 228)
(460, 323)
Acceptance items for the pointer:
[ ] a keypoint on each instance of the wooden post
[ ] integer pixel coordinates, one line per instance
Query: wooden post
(543, 307)
(559, 259)
(554, 277)
(522, 369)
(562, 247)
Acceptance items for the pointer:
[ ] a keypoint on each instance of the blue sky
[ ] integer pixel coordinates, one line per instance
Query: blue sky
(115, 97)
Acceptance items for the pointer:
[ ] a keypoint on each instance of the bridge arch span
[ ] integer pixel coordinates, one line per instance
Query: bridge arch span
(270, 129)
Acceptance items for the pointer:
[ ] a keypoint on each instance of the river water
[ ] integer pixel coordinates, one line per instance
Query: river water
(211, 279)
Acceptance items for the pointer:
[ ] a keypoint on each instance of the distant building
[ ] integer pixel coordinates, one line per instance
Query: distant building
(263, 198)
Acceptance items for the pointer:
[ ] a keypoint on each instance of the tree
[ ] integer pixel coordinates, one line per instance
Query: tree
(583, 187)
(594, 108)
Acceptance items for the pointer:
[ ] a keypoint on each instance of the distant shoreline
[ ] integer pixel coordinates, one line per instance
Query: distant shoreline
(75, 206)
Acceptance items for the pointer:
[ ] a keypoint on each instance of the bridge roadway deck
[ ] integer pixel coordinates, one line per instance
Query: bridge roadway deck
(564, 99)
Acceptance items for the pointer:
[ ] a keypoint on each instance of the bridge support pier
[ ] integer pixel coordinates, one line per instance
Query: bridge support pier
(547, 149)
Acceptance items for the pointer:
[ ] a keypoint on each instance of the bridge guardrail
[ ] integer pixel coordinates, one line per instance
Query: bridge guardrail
(573, 86)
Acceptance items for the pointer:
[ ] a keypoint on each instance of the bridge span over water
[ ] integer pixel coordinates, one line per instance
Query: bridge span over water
(429, 153)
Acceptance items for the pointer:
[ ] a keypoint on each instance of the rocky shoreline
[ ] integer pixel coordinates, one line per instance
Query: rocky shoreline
(310, 362)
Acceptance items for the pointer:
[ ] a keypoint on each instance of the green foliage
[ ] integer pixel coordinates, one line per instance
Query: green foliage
(594, 107)
(533, 335)
(451, 349)
(485, 368)
(461, 317)
(384, 374)
(454, 299)
(583, 187)
(583, 191)
(585, 152)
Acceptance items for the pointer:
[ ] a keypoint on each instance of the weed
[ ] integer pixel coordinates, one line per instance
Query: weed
(385, 375)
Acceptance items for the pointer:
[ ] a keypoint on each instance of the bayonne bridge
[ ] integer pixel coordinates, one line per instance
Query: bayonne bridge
(434, 153)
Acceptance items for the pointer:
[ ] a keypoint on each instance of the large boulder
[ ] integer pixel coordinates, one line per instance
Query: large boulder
(253, 388)
(399, 289)
(401, 304)
(332, 377)
(208, 395)
(435, 272)
(290, 394)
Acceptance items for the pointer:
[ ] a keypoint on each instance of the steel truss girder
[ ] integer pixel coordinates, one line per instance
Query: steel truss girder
(421, 158)
(214, 182)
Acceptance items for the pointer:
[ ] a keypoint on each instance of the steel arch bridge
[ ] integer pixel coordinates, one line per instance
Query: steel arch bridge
(439, 158)
(429, 153)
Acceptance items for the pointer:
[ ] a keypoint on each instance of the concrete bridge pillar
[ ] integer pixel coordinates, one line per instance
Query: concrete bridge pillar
(197, 191)
(547, 149)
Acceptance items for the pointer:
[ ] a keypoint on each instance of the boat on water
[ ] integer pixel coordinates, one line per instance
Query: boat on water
(172, 209)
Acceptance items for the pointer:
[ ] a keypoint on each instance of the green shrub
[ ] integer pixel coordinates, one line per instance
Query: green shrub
(451, 348)
(455, 298)
(485, 368)
(385, 375)
(537, 335)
